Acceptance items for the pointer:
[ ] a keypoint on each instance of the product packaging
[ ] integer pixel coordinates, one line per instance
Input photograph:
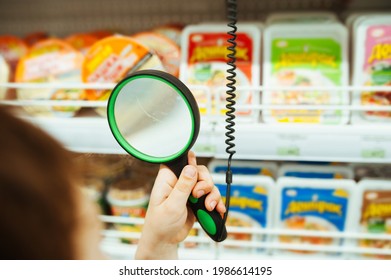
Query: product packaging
(81, 41)
(4, 76)
(93, 188)
(129, 197)
(372, 66)
(315, 171)
(312, 205)
(302, 17)
(109, 60)
(172, 31)
(100, 34)
(204, 63)
(370, 171)
(250, 208)
(303, 55)
(50, 61)
(34, 37)
(244, 167)
(373, 216)
(12, 48)
(166, 49)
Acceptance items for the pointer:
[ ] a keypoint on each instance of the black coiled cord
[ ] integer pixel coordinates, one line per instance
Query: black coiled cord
(230, 99)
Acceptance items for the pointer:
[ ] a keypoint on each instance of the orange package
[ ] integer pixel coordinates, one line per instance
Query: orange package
(50, 61)
(4, 76)
(166, 49)
(172, 31)
(35, 37)
(12, 49)
(100, 34)
(81, 41)
(111, 59)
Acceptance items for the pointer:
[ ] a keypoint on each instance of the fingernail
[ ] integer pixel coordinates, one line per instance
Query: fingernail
(213, 204)
(200, 193)
(190, 171)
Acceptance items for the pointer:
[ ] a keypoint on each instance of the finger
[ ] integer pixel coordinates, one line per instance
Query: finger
(166, 176)
(205, 182)
(204, 175)
(164, 183)
(212, 199)
(221, 207)
(182, 189)
(192, 158)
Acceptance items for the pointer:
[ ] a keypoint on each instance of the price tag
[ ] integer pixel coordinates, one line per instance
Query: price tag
(373, 153)
(204, 148)
(288, 151)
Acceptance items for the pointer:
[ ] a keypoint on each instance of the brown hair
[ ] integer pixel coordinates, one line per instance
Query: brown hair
(37, 193)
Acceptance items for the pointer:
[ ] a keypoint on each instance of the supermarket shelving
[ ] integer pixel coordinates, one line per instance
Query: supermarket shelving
(363, 142)
(262, 245)
(351, 142)
(89, 133)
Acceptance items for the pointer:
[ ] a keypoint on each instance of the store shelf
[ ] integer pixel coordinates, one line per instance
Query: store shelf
(348, 143)
(352, 142)
(263, 243)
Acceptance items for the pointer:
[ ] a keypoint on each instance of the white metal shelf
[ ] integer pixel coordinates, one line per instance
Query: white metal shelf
(263, 243)
(351, 142)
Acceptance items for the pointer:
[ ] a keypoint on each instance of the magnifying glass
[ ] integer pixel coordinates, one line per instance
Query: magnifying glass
(155, 118)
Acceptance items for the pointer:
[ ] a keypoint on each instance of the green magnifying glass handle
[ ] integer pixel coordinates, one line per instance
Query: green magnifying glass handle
(210, 221)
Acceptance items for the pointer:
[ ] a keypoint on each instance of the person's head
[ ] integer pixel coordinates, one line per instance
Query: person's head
(43, 214)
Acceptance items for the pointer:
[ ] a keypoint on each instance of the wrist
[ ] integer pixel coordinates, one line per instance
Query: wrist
(150, 247)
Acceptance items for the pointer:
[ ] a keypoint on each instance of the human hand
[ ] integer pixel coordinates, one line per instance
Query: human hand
(168, 219)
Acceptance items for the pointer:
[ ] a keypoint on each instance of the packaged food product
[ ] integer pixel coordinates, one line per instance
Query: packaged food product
(250, 206)
(305, 55)
(372, 65)
(93, 188)
(204, 62)
(4, 76)
(32, 38)
(104, 167)
(12, 48)
(128, 197)
(166, 49)
(244, 167)
(312, 171)
(172, 31)
(370, 170)
(301, 17)
(353, 20)
(111, 59)
(315, 205)
(100, 34)
(81, 41)
(374, 214)
(50, 61)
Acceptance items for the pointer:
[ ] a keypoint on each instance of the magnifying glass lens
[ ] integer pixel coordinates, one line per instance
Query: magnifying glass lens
(152, 119)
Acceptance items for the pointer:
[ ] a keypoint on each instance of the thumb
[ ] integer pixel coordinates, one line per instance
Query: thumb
(185, 184)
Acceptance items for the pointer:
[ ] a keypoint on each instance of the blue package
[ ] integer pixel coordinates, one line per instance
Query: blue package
(325, 204)
(243, 170)
(310, 175)
(240, 167)
(251, 201)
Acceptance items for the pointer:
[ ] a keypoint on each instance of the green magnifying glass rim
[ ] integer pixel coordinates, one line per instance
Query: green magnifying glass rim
(182, 91)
